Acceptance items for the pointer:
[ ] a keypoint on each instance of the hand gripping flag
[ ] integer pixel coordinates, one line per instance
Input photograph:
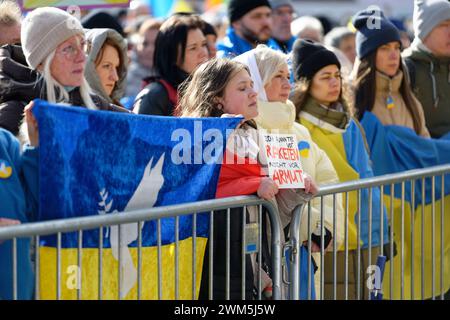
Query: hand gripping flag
(99, 162)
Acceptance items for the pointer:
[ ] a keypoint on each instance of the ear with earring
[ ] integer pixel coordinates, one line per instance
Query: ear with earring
(219, 104)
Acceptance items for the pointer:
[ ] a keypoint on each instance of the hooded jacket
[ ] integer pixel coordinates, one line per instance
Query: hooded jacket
(431, 78)
(395, 112)
(97, 38)
(19, 85)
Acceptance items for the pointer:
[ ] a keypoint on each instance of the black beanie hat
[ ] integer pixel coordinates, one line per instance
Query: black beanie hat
(239, 8)
(374, 30)
(101, 19)
(309, 57)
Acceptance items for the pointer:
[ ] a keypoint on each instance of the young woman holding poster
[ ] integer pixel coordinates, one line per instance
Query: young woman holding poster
(270, 74)
(319, 98)
(218, 88)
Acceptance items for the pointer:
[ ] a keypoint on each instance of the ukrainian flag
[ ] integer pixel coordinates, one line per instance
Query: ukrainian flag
(99, 162)
(347, 151)
(396, 149)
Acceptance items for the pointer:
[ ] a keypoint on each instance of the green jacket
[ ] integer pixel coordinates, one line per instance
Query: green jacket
(430, 77)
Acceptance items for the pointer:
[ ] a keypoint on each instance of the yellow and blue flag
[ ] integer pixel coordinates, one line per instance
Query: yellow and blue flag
(347, 151)
(100, 162)
(396, 149)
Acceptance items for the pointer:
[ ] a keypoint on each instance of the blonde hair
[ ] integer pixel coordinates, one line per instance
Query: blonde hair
(269, 62)
(149, 24)
(10, 13)
(54, 88)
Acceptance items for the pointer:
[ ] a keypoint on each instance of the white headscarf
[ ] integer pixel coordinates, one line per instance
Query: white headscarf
(248, 58)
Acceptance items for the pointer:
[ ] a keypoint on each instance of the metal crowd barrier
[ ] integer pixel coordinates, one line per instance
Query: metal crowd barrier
(58, 227)
(380, 181)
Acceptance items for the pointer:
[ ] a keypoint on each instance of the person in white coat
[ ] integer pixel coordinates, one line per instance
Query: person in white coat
(270, 75)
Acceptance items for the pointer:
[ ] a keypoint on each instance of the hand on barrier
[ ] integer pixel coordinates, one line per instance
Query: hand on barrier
(310, 185)
(8, 222)
(267, 189)
(4, 222)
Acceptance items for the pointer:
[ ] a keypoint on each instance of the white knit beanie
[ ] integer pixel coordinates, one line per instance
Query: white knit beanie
(43, 30)
(428, 14)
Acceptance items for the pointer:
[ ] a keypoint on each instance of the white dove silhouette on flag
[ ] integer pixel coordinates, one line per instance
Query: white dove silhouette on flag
(144, 196)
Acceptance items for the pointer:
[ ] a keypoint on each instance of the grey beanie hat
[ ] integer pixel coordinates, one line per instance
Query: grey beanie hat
(43, 30)
(428, 14)
(279, 3)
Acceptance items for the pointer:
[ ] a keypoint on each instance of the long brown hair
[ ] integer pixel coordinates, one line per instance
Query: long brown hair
(110, 42)
(365, 90)
(199, 93)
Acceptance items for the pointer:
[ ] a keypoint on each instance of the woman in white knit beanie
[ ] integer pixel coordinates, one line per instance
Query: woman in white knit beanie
(53, 43)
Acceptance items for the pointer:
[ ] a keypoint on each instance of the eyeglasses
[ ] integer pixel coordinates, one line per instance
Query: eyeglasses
(71, 51)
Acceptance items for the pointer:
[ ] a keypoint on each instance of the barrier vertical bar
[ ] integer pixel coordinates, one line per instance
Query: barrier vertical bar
(370, 232)
(177, 258)
(322, 254)
(227, 271)
(334, 250)
(194, 255)
(442, 235)
(211, 255)
(14, 265)
(80, 264)
(391, 242)
(243, 253)
(433, 235)
(423, 240)
(37, 269)
(413, 205)
(139, 264)
(158, 230)
(346, 246)
(58, 266)
(402, 242)
(100, 263)
(358, 263)
(310, 284)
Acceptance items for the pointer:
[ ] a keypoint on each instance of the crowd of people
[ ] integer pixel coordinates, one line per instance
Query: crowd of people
(281, 74)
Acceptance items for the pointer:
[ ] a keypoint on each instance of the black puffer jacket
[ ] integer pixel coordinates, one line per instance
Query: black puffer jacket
(19, 85)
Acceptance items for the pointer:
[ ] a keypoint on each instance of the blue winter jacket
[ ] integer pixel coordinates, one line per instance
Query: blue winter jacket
(18, 200)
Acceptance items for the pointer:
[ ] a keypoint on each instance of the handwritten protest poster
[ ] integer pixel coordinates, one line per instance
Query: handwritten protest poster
(283, 160)
(83, 4)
